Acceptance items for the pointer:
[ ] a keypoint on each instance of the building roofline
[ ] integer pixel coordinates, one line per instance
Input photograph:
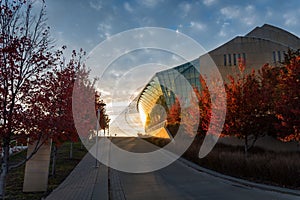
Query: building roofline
(272, 27)
(255, 38)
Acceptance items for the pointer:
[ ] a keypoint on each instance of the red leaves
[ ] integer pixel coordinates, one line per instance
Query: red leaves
(241, 65)
(287, 107)
(255, 103)
(174, 114)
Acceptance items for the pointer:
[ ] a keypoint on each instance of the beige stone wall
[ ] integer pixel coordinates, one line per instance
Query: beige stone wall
(37, 169)
(257, 53)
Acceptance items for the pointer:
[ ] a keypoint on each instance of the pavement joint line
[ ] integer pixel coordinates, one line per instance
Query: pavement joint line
(100, 187)
(116, 188)
(79, 183)
(240, 181)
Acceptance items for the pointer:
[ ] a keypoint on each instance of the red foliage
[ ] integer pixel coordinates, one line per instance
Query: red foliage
(192, 112)
(258, 104)
(288, 105)
(204, 106)
(174, 114)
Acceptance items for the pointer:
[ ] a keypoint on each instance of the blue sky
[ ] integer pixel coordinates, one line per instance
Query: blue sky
(85, 23)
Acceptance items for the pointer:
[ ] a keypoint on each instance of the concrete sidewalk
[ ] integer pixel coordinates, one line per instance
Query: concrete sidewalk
(85, 182)
(180, 180)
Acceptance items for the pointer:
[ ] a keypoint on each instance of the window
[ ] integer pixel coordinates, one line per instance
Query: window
(229, 59)
(279, 56)
(234, 59)
(274, 56)
(225, 60)
(244, 58)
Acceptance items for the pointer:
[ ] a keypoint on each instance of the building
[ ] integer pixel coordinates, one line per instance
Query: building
(265, 44)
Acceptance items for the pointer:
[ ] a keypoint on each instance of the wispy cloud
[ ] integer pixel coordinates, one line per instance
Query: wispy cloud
(128, 7)
(96, 4)
(197, 25)
(150, 3)
(224, 30)
(209, 2)
(230, 12)
(291, 18)
(185, 8)
(104, 30)
(246, 15)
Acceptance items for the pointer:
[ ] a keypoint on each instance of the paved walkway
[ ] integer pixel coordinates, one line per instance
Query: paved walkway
(178, 181)
(86, 182)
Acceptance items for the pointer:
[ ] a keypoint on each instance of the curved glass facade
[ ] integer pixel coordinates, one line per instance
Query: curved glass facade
(158, 96)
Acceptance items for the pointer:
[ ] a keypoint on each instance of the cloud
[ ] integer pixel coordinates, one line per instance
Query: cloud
(96, 4)
(128, 7)
(197, 25)
(230, 12)
(269, 12)
(209, 2)
(104, 30)
(246, 15)
(291, 18)
(224, 30)
(185, 8)
(150, 3)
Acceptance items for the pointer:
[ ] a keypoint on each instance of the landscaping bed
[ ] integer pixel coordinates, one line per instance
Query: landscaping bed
(262, 166)
(64, 165)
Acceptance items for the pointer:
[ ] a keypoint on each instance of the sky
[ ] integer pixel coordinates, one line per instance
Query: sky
(87, 23)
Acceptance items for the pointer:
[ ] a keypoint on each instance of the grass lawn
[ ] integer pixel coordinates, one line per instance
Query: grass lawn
(64, 165)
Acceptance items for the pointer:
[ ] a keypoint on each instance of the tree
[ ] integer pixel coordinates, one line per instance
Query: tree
(99, 104)
(85, 103)
(268, 77)
(61, 126)
(287, 107)
(173, 116)
(245, 117)
(192, 112)
(25, 62)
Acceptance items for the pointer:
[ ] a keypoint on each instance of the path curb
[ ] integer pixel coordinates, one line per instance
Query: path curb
(240, 181)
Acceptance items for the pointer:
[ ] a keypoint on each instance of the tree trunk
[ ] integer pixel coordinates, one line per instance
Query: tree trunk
(71, 150)
(246, 146)
(81, 144)
(4, 169)
(53, 169)
(194, 148)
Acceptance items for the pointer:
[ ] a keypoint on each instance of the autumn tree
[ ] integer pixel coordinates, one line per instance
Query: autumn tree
(173, 116)
(60, 126)
(287, 107)
(103, 117)
(192, 112)
(85, 104)
(25, 62)
(246, 116)
(270, 94)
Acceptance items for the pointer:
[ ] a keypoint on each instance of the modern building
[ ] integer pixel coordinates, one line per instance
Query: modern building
(265, 44)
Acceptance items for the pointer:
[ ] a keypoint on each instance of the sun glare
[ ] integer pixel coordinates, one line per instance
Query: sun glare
(142, 115)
